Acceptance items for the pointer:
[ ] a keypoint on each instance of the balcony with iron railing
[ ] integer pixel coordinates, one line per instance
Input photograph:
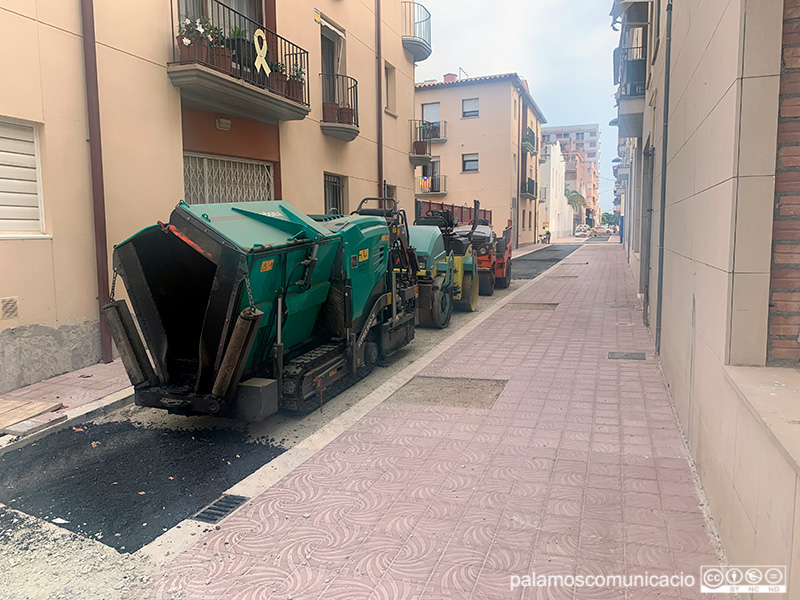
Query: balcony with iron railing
(432, 185)
(529, 188)
(437, 132)
(224, 62)
(420, 142)
(339, 107)
(530, 141)
(416, 30)
(631, 66)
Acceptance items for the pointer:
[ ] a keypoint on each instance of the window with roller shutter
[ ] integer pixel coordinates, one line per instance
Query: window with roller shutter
(20, 192)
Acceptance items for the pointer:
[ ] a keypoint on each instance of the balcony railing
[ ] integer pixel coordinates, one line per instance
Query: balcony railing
(432, 184)
(212, 34)
(464, 214)
(339, 107)
(416, 30)
(420, 142)
(529, 187)
(530, 141)
(437, 131)
(631, 70)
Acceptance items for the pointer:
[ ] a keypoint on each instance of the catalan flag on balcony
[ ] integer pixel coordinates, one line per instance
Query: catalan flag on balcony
(425, 184)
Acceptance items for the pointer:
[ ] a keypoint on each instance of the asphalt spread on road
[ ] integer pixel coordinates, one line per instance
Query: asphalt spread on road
(534, 264)
(126, 485)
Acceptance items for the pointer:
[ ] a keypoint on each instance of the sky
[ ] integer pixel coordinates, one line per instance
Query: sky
(563, 48)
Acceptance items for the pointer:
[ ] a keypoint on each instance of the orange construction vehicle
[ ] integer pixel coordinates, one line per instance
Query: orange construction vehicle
(494, 255)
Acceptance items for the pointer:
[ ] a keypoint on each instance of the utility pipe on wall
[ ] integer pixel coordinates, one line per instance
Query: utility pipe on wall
(379, 95)
(96, 162)
(662, 216)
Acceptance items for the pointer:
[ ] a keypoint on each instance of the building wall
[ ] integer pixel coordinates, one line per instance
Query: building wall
(306, 152)
(556, 210)
(53, 275)
(723, 115)
(784, 318)
(491, 135)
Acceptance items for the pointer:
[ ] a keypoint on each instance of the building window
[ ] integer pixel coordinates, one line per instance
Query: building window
(592, 144)
(515, 109)
(530, 219)
(210, 179)
(469, 163)
(593, 134)
(391, 191)
(469, 108)
(514, 163)
(389, 87)
(334, 194)
(579, 135)
(20, 188)
(546, 138)
(591, 154)
(432, 113)
(523, 218)
(543, 193)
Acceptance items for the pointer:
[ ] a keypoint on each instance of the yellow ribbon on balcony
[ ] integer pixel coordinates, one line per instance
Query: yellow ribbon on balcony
(260, 40)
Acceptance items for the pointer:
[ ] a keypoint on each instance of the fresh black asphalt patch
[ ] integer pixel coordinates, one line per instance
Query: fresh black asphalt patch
(125, 485)
(534, 264)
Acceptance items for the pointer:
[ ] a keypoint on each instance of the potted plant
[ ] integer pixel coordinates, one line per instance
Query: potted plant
(219, 54)
(193, 39)
(296, 83)
(243, 49)
(347, 114)
(277, 76)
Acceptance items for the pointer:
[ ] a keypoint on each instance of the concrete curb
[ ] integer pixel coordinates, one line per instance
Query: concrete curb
(88, 411)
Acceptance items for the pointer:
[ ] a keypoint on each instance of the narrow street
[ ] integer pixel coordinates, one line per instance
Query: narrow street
(513, 445)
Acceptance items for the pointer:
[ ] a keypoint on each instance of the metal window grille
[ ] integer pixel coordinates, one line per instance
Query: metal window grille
(334, 194)
(210, 179)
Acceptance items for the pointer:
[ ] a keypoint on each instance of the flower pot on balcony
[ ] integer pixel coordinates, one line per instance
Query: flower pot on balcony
(277, 82)
(192, 50)
(294, 89)
(221, 58)
(330, 112)
(421, 148)
(347, 115)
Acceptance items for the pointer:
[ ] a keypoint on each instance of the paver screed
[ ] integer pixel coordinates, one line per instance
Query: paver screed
(577, 469)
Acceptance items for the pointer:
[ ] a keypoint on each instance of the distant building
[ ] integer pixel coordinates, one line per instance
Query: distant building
(484, 134)
(584, 137)
(553, 206)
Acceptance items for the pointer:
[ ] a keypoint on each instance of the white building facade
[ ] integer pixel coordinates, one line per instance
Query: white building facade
(553, 206)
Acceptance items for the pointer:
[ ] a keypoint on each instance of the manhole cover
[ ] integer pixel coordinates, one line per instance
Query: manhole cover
(624, 324)
(532, 306)
(220, 509)
(626, 355)
(449, 391)
(563, 276)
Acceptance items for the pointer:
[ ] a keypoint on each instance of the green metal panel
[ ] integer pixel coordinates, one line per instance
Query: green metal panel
(427, 241)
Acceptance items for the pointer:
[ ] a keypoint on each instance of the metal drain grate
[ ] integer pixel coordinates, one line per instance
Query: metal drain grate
(574, 263)
(626, 355)
(219, 509)
(532, 306)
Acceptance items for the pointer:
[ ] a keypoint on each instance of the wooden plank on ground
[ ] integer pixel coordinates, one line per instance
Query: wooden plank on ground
(8, 405)
(26, 411)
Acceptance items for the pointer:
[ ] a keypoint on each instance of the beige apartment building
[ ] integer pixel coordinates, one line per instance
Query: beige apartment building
(485, 134)
(118, 111)
(710, 203)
